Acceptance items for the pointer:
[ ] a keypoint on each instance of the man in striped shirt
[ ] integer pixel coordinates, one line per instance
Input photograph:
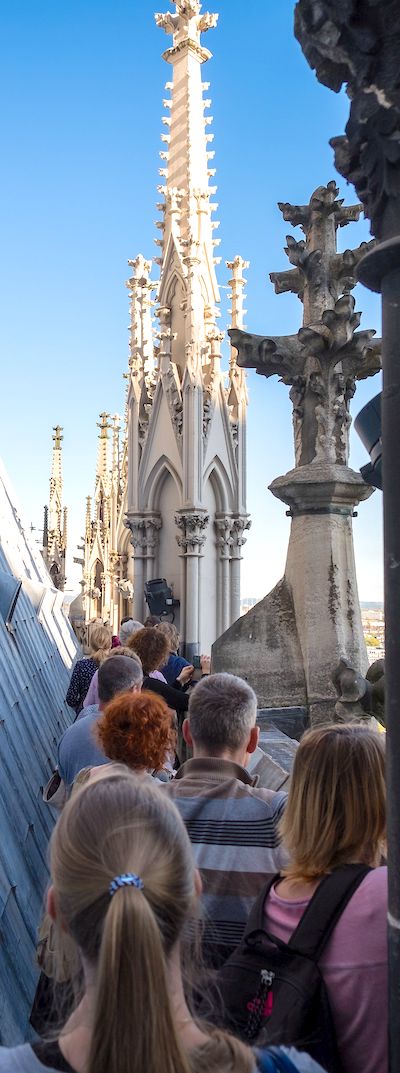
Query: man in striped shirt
(232, 824)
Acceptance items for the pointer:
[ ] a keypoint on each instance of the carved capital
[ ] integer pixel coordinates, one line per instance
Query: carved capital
(240, 523)
(223, 529)
(144, 530)
(193, 526)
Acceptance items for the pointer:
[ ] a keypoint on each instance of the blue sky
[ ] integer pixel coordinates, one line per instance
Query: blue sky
(82, 86)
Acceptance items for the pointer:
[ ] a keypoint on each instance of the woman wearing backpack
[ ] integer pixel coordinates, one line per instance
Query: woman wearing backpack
(336, 815)
(124, 884)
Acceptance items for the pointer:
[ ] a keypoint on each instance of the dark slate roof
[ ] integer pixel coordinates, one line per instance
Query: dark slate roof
(37, 648)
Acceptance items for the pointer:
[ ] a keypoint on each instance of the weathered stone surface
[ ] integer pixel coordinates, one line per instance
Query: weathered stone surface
(357, 42)
(320, 570)
(321, 485)
(321, 365)
(359, 699)
(263, 647)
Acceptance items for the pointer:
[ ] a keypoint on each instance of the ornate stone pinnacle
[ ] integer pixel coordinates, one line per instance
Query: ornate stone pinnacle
(103, 425)
(187, 24)
(57, 437)
(321, 362)
(323, 202)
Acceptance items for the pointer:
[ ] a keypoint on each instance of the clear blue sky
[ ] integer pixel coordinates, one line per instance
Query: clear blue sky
(82, 86)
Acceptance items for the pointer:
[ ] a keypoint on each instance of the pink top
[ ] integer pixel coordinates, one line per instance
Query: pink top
(92, 696)
(354, 968)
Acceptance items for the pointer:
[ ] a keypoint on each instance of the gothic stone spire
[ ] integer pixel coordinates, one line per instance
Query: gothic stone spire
(55, 523)
(187, 242)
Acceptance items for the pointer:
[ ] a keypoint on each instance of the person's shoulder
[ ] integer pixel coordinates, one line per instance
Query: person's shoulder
(85, 663)
(81, 724)
(90, 713)
(373, 886)
(274, 800)
(92, 710)
(21, 1059)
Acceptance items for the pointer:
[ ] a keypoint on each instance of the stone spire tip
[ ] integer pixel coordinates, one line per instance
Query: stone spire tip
(187, 22)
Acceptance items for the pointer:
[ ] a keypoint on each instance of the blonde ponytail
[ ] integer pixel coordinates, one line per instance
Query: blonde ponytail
(112, 826)
(133, 1028)
(100, 643)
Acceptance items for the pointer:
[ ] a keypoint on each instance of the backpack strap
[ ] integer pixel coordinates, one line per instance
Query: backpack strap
(325, 908)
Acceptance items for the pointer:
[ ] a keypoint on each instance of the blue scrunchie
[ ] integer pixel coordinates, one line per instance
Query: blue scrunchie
(129, 879)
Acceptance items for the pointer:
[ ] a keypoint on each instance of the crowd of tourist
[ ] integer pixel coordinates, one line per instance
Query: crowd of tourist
(207, 911)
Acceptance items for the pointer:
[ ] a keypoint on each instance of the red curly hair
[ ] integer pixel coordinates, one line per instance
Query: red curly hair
(136, 729)
(151, 646)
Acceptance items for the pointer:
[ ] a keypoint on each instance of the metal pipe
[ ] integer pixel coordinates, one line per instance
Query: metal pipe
(391, 512)
(380, 270)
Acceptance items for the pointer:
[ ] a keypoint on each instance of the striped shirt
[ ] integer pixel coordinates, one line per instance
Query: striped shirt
(233, 828)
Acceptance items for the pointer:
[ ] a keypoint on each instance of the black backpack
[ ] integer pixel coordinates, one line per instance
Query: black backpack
(273, 992)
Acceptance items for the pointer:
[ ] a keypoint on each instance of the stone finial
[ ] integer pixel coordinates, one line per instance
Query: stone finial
(322, 362)
(45, 526)
(55, 520)
(57, 437)
(65, 526)
(140, 288)
(102, 455)
(187, 23)
(236, 293)
(116, 428)
(237, 391)
(88, 518)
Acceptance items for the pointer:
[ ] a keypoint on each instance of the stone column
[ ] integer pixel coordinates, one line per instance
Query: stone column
(144, 539)
(321, 573)
(192, 525)
(152, 526)
(223, 527)
(239, 524)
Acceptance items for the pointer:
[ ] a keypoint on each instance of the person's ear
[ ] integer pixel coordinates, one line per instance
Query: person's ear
(187, 737)
(198, 885)
(51, 903)
(253, 740)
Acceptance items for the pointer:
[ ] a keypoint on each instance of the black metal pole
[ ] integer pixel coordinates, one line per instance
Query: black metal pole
(357, 44)
(391, 510)
(379, 271)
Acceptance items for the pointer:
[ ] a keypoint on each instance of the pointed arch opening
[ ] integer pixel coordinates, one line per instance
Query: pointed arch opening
(155, 480)
(217, 474)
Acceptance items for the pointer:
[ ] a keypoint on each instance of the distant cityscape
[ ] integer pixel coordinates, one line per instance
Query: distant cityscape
(372, 617)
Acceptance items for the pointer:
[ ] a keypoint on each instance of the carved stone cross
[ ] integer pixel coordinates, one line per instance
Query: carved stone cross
(322, 362)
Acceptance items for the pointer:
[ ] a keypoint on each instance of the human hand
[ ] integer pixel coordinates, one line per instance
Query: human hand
(185, 675)
(205, 664)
